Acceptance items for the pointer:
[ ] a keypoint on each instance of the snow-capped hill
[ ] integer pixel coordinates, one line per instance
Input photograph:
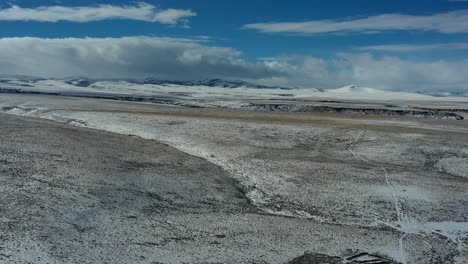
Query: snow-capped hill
(80, 81)
(156, 81)
(455, 93)
(357, 89)
(226, 83)
(233, 84)
(358, 92)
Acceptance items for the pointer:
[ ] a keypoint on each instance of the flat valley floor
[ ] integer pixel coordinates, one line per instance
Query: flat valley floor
(85, 180)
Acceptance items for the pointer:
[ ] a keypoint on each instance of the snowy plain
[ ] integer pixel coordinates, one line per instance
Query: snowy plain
(399, 181)
(405, 177)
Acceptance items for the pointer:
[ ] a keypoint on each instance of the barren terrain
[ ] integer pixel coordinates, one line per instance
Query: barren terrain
(88, 180)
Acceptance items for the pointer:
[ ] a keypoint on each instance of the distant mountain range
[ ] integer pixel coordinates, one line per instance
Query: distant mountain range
(453, 93)
(25, 81)
(210, 83)
(85, 82)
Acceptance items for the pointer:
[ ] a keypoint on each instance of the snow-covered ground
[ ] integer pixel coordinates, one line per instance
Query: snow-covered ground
(406, 178)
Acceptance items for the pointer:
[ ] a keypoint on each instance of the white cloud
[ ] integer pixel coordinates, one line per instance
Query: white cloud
(136, 57)
(141, 11)
(448, 23)
(394, 73)
(365, 69)
(405, 48)
(172, 16)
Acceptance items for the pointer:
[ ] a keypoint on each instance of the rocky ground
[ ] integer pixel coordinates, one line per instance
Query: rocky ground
(180, 185)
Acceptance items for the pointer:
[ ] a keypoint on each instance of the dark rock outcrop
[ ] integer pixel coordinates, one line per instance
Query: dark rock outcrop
(434, 114)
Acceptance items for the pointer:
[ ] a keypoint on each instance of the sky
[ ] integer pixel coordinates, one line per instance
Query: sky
(388, 44)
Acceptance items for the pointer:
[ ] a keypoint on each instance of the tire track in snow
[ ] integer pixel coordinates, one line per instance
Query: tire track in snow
(396, 202)
(407, 228)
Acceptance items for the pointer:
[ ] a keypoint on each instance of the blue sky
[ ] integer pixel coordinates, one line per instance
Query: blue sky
(300, 43)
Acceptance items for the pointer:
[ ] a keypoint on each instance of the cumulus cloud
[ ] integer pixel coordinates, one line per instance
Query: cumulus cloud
(405, 48)
(365, 69)
(395, 73)
(133, 57)
(448, 23)
(140, 11)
